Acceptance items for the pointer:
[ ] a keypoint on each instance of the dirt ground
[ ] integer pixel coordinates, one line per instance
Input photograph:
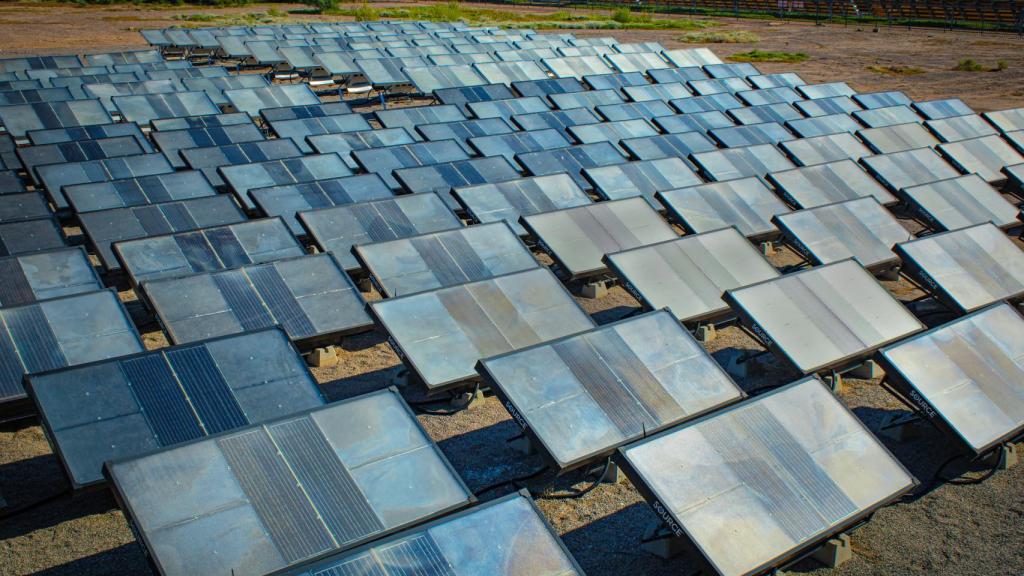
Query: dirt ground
(943, 529)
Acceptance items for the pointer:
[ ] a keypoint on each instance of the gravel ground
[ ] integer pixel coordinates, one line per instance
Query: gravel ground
(946, 529)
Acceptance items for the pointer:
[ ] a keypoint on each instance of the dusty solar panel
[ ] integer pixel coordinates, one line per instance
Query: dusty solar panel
(1015, 176)
(882, 99)
(588, 99)
(215, 86)
(897, 138)
(21, 207)
(720, 102)
(900, 170)
(829, 317)
(121, 408)
(780, 113)
(571, 160)
(576, 66)
(201, 121)
(77, 151)
(688, 275)
(509, 200)
(635, 110)
(9, 153)
(827, 106)
(288, 200)
(968, 268)
(960, 202)
(44, 275)
(66, 331)
(580, 397)
(861, 229)
(1006, 120)
(384, 161)
(759, 484)
(206, 249)
(960, 128)
(241, 178)
(311, 297)
(827, 90)
(107, 90)
(661, 91)
(691, 57)
(441, 259)
(76, 84)
(208, 160)
(614, 81)
(19, 119)
(442, 334)
(823, 125)
(985, 156)
(344, 143)
(138, 191)
(11, 183)
(546, 87)
(693, 122)
(888, 116)
(778, 95)
(638, 62)
(518, 142)
(1016, 139)
(745, 203)
(465, 94)
(751, 134)
(713, 86)
(426, 78)
(733, 163)
(731, 70)
(441, 178)
(980, 406)
(557, 119)
(945, 108)
(461, 131)
(252, 100)
(509, 107)
(612, 132)
(821, 184)
(339, 228)
(144, 108)
(668, 146)
(56, 176)
(104, 227)
(291, 490)
(763, 81)
(30, 236)
(92, 132)
(387, 72)
(304, 111)
(128, 57)
(171, 141)
(578, 238)
(302, 128)
(33, 95)
(680, 75)
(462, 543)
(412, 117)
(643, 178)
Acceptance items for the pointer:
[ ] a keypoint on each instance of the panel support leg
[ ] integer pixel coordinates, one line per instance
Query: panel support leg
(767, 248)
(869, 370)
(323, 357)
(706, 333)
(900, 427)
(365, 285)
(468, 400)
(657, 540)
(835, 552)
(593, 290)
(1005, 457)
(835, 382)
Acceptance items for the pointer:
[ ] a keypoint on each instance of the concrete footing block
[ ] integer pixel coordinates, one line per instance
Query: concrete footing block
(767, 248)
(365, 285)
(468, 400)
(323, 357)
(1006, 457)
(706, 333)
(612, 475)
(593, 290)
(835, 382)
(869, 370)
(835, 552)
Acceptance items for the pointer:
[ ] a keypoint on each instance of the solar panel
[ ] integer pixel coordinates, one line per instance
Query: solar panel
(667, 146)
(882, 99)
(1016, 139)
(827, 106)
(960, 202)
(985, 156)
(745, 203)
(38, 62)
(899, 170)
(201, 121)
(103, 228)
(827, 90)
(507, 108)
(693, 122)
(571, 160)
(454, 59)
(720, 102)
(611, 380)
(143, 108)
(688, 275)
(557, 119)
(511, 73)
(339, 228)
(946, 108)
(19, 119)
(518, 142)
(337, 64)
(779, 113)
(683, 57)
(980, 407)
(861, 229)
(460, 544)
(65, 331)
(30, 236)
(714, 86)
(289, 199)
(615, 81)
(645, 110)
(897, 138)
(107, 90)
(301, 128)
(77, 151)
(31, 95)
(462, 130)
(94, 132)
(463, 94)
(677, 75)
(823, 125)
(291, 489)
(778, 95)
(19, 207)
(207, 249)
(511, 55)
(252, 100)
(428, 78)
(578, 238)
(662, 91)
(304, 111)
(138, 191)
(9, 154)
(106, 410)
(576, 66)
(10, 183)
(412, 117)
(76, 84)
(387, 72)
(45, 275)
(344, 143)
(509, 200)
(733, 163)
(241, 178)
(208, 160)
(821, 184)
(1006, 120)
(642, 178)
(545, 87)
(751, 134)
(888, 116)
(56, 176)
(128, 57)
(968, 268)
(785, 79)
(960, 128)
(216, 86)
(171, 141)
(463, 324)
(764, 482)
(731, 70)
(311, 297)
(383, 161)
(612, 132)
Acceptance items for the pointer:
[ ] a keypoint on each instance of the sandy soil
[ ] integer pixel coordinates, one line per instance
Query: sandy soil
(946, 529)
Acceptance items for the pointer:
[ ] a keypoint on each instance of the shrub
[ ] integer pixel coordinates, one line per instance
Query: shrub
(896, 70)
(968, 65)
(712, 37)
(768, 56)
(322, 5)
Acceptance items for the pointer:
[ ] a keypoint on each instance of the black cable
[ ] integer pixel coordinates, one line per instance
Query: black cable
(515, 480)
(580, 493)
(11, 512)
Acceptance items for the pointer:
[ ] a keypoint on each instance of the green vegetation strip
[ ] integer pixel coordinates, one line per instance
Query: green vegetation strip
(768, 56)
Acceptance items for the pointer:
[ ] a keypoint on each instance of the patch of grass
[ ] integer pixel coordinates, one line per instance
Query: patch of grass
(1000, 66)
(896, 70)
(201, 19)
(768, 56)
(196, 17)
(971, 65)
(719, 37)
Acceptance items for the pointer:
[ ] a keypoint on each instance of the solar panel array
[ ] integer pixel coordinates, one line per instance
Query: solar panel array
(532, 143)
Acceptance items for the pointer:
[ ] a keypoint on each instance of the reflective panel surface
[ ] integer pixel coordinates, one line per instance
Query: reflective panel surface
(509, 200)
(29, 278)
(960, 202)
(822, 184)
(745, 203)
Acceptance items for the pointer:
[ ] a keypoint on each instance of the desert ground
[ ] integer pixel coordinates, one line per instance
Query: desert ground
(975, 529)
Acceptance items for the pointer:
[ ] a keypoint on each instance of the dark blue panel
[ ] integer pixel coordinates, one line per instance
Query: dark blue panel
(209, 393)
(34, 339)
(197, 252)
(247, 308)
(226, 244)
(14, 287)
(281, 301)
(162, 401)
